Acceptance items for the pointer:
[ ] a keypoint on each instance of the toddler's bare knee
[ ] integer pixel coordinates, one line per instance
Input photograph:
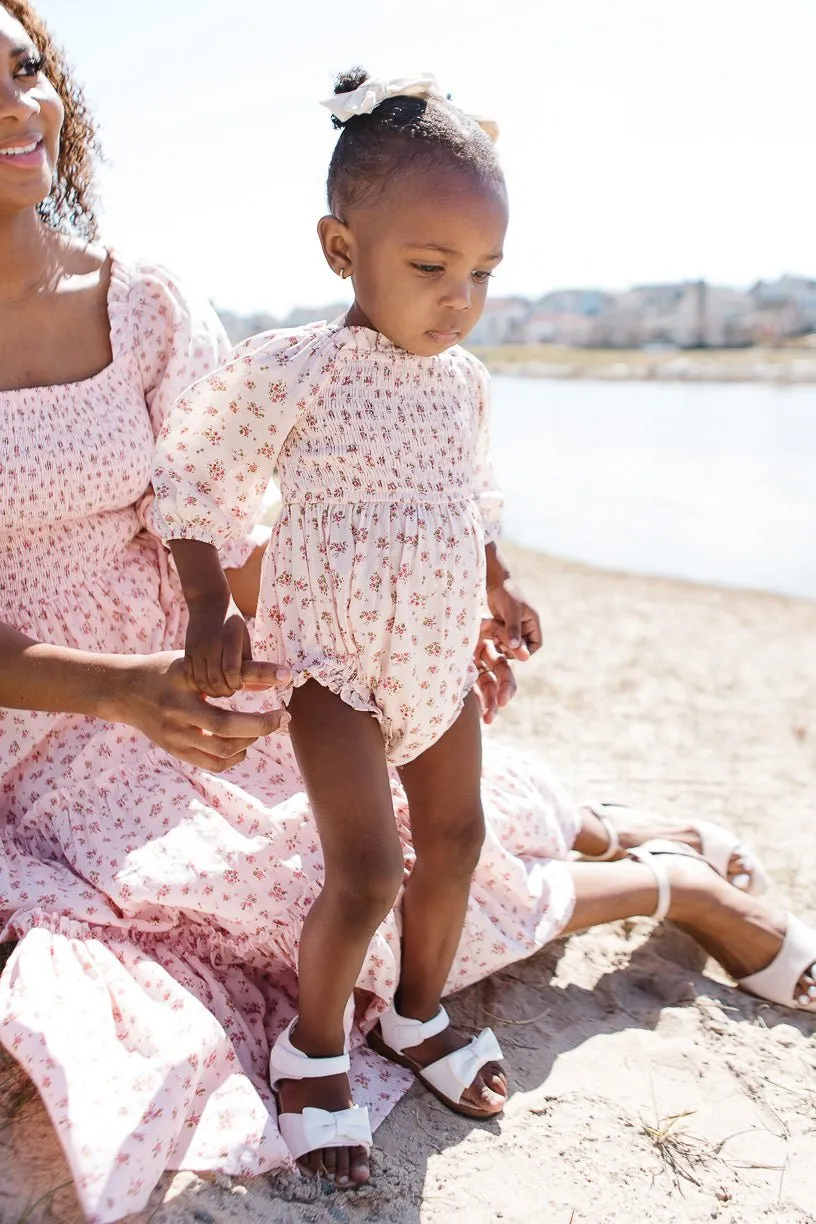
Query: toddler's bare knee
(456, 844)
(365, 892)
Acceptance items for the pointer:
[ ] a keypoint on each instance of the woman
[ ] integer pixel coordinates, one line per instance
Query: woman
(157, 900)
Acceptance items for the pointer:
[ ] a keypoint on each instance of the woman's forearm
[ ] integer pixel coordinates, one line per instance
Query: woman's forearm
(58, 679)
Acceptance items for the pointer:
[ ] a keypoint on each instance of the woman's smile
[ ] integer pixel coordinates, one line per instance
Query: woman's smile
(23, 152)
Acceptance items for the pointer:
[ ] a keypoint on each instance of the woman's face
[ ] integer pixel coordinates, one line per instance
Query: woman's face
(31, 115)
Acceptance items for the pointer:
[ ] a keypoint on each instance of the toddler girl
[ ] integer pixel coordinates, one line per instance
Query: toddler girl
(373, 584)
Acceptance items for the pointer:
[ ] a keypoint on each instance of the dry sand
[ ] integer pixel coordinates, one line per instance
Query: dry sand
(644, 1089)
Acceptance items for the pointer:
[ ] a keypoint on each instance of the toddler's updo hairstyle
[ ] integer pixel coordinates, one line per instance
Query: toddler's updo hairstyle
(399, 134)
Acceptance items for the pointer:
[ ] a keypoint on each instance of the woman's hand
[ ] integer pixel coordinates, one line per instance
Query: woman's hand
(154, 695)
(496, 684)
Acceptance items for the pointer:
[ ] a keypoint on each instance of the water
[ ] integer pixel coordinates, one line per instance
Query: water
(716, 483)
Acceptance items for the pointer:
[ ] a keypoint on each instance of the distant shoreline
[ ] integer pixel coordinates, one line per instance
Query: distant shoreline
(777, 366)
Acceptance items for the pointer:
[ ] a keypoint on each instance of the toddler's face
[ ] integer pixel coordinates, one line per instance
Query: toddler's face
(422, 255)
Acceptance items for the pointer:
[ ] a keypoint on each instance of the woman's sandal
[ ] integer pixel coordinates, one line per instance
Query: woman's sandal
(718, 847)
(315, 1129)
(797, 956)
(448, 1077)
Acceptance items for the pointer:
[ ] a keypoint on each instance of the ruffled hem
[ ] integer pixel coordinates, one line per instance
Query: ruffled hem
(344, 683)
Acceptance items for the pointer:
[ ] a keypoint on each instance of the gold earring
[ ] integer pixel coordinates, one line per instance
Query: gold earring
(344, 272)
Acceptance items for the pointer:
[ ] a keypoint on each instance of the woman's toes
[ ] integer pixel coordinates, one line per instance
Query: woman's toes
(806, 987)
(740, 869)
(359, 1168)
(808, 983)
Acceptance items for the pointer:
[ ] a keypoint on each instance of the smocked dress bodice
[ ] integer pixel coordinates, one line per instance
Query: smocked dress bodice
(374, 579)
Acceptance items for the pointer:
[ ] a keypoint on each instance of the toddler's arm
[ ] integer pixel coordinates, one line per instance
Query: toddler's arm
(218, 446)
(214, 458)
(217, 645)
(515, 627)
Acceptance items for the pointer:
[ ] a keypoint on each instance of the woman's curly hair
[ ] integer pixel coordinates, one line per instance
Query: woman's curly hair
(70, 206)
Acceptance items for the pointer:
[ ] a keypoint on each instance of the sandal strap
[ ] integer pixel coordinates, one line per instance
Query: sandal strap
(287, 1062)
(401, 1033)
(777, 982)
(720, 844)
(451, 1075)
(316, 1129)
(613, 847)
(650, 858)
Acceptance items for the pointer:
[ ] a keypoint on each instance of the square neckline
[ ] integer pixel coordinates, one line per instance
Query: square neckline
(116, 284)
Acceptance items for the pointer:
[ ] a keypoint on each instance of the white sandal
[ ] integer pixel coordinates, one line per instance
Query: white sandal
(315, 1129)
(719, 846)
(448, 1077)
(777, 981)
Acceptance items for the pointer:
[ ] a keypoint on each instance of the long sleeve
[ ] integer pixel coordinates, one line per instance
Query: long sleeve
(177, 337)
(218, 447)
(487, 492)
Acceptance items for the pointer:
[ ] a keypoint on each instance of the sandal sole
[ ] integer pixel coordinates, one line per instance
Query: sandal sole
(377, 1044)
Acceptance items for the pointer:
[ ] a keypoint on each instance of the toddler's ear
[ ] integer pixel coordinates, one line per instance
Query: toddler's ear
(336, 242)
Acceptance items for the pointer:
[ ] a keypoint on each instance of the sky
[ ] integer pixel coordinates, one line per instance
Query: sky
(643, 140)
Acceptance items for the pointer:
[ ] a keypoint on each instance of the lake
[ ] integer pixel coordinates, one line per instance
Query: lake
(711, 482)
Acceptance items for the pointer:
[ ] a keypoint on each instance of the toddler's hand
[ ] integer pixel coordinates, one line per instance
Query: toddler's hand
(217, 648)
(515, 627)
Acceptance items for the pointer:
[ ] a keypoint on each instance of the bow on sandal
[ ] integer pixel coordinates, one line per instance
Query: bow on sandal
(777, 983)
(315, 1128)
(448, 1077)
(718, 844)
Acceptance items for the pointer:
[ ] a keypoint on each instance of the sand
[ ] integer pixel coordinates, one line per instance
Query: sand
(644, 1089)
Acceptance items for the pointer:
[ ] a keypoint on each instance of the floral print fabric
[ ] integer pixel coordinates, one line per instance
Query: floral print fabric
(374, 580)
(159, 908)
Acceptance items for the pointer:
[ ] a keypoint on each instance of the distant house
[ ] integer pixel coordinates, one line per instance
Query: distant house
(240, 327)
(308, 314)
(502, 322)
(786, 305)
(567, 316)
(689, 314)
(685, 314)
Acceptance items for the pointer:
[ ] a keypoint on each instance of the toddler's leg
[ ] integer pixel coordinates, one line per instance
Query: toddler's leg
(342, 760)
(443, 787)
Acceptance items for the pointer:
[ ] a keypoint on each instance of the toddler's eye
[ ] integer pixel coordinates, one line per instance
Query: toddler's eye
(482, 275)
(428, 269)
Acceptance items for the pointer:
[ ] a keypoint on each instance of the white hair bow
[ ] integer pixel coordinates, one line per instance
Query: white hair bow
(373, 91)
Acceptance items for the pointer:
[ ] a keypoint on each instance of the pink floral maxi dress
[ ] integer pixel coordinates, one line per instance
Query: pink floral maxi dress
(158, 908)
(374, 579)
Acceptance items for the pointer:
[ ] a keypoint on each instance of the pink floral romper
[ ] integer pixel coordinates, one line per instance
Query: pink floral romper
(374, 580)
